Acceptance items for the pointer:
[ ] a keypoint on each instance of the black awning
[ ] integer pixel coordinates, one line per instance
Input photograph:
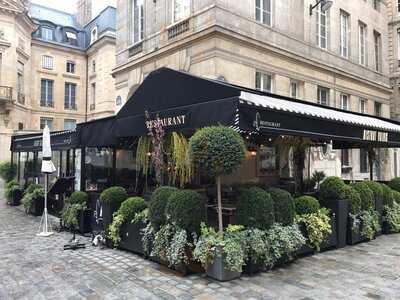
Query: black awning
(60, 140)
(97, 133)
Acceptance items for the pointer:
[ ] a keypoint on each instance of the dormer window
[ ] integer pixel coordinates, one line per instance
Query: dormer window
(71, 37)
(93, 35)
(47, 33)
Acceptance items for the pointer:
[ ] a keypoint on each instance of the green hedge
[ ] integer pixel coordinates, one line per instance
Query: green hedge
(387, 195)
(115, 194)
(396, 197)
(79, 197)
(157, 205)
(376, 188)
(355, 199)
(255, 209)
(7, 171)
(186, 209)
(394, 184)
(332, 188)
(306, 205)
(130, 207)
(284, 208)
(367, 195)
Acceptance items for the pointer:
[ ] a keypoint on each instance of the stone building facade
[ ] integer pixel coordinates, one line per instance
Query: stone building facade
(46, 61)
(335, 58)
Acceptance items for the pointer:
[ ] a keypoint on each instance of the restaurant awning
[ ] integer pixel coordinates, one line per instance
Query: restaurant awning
(97, 133)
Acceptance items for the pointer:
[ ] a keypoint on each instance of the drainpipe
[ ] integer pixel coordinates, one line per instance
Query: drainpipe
(87, 87)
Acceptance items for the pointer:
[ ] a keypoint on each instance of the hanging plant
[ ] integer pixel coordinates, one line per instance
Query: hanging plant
(143, 155)
(181, 166)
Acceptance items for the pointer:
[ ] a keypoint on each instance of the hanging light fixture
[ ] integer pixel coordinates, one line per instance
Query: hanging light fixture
(325, 5)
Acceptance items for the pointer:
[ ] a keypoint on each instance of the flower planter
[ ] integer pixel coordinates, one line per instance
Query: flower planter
(332, 240)
(16, 196)
(131, 237)
(385, 227)
(341, 210)
(37, 207)
(379, 208)
(218, 269)
(252, 268)
(305, 249)
(354, 236)
(84, 221)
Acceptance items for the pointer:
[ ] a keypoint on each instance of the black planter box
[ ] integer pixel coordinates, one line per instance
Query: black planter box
(84, 221)
(251, 268)
(131, 237)
(386, 227)
(108, 209)
(340, 208)
(16, 196)
(332, 240)
(379, 209)
(37, 207)
(218, 270)
(305, 249)
(354, 236)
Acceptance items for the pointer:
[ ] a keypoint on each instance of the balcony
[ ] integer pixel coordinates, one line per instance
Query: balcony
(178, 29)
(5, 94)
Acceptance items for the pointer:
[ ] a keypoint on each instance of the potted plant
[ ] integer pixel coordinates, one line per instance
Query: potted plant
(7, 171)
(284, 209)
(111, 200)
(75, 214)
(125, 230)
(389, 216)
(14, 193)
(255, 211)
(314, 222)
(333, 195)
(223, 256)
(33, 200)
(378, 190)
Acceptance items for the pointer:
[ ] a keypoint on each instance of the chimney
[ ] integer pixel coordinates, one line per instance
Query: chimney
(84, 12)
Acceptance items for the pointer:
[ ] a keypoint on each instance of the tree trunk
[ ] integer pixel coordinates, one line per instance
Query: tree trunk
(220, 225)
(371, 158)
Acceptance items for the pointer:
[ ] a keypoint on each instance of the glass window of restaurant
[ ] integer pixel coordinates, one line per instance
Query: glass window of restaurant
(126, 169)
(98, 168)
(22, 161)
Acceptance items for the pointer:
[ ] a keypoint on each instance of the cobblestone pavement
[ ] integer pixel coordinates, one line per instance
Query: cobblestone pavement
(38, 268)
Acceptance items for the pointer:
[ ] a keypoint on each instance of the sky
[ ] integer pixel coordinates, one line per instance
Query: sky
(70, 5)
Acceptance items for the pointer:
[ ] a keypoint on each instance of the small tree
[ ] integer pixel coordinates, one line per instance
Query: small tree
(217, 150)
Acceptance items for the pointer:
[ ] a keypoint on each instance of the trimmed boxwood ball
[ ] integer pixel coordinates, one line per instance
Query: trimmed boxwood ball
(255, 209)
(376, 188)
(217, 150)
(332, 188)
(130, 207)
(355, 199)
(396, 196)
(115, 194)
(284, 208)
(367, 196)
(387, 195)
(78, 198)
(157, 205)
(306, 205)
(394, 184)
(186, 210)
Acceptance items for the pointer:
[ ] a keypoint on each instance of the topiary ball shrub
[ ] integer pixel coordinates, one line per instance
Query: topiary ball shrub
(367, 196)
(306, 205)
(284, 208)
(255, 209)
(186, 210)
(157, 205)
(7, 171)
(217, 150)
(394, 184)
(79, 197)
(130, 207)
(355, 199)
(376, 188)
(332, 188)
(396, 196)
(387, 195)
(115, 194)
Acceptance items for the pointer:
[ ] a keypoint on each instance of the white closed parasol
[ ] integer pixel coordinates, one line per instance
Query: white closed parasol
(47, 168)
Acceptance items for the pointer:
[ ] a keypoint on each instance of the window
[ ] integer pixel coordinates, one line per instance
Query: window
(323, 96)
(71, 37)
(344, 102)
(294, 89)
(345, 157)
(378, 109)
(93, 35)
(398, 6)
(362, 44)
(69, 124)
(398, 47)
(363, 161)
(46, 97)
(70, 67)
(46, 121)
(47, 62)
(362, 105)
(20, 83)
(377, 50)
(376, 4)
(264, 11)
(118, 100)
(47, 33)
(322, 28)
(93, 98)
(344, 34)
(20, 126)
(137, 21)
(264, 82)
(93, 66)
(70, 96)
(181, 9)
